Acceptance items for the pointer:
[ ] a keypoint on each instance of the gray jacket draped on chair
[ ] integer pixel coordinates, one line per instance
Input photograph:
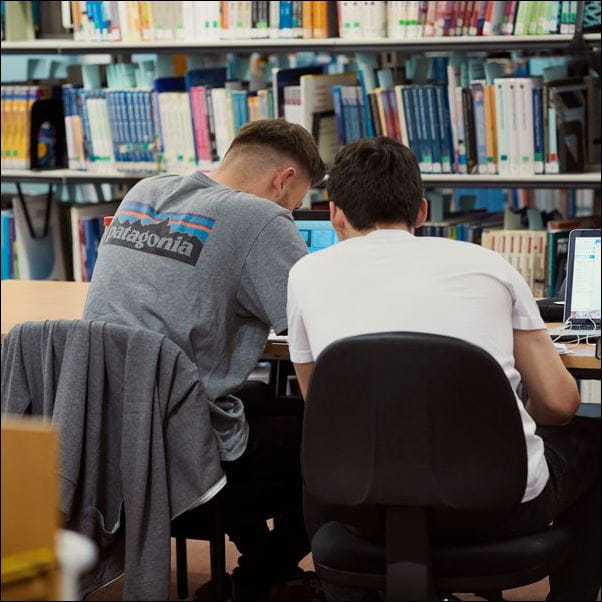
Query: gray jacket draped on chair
(137, 447)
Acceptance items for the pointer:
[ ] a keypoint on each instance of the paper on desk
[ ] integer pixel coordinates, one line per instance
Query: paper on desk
(561, 348)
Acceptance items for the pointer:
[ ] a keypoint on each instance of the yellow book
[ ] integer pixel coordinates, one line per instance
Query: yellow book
(308, 19)
(134, 29)
(253, 108)
(320, 19)
(147, 24)
(490, 128)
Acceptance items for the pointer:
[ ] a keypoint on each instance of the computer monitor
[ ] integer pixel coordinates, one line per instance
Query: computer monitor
(315, 229)
(582, 296)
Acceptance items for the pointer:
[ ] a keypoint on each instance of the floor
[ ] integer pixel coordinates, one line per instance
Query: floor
(198, 573)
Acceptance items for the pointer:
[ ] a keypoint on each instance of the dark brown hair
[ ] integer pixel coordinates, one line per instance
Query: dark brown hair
(376, 181)
(286, 138)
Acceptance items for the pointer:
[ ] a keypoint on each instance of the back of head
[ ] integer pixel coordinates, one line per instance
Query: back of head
(376, 181)
(275, 140)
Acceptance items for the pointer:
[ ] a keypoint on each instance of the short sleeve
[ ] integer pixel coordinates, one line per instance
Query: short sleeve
(298, 339)
(525, 313)
(263, 284)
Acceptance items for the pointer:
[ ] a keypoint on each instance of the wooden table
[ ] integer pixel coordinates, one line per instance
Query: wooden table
(24, 300)
(35, 300)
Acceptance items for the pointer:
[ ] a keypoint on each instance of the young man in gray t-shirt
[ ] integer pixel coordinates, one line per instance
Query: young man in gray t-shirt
(205, 260)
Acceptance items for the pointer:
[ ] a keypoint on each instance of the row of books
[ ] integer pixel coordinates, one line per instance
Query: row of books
(15, 108)
(508, 126)
(159, 20)
(539, 255)
(466, 119)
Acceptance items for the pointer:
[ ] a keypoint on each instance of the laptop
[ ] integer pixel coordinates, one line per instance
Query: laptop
(582, 292)
(315, 229)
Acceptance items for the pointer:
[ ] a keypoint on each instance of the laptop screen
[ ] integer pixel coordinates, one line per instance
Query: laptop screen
(584, 278)
(315, 229)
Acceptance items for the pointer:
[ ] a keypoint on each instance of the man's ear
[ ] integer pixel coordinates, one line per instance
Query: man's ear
(422, 213)
(337, 219)
(282, 179)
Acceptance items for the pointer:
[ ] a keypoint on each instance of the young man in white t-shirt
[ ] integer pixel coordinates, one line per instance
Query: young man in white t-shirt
(382, 278)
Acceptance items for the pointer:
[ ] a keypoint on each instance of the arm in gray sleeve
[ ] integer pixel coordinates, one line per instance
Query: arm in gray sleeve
(264, 278)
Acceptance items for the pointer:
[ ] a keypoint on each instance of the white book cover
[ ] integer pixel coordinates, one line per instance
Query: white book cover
(39, 257)
(552, 164)
(414, 30)
(373, 19)
(494, 27)
(500, 123)
(403, 126)
(195, 29)
(512, 108)
(274, 11)
(460, 130)
(187, 133)
(220, 113)
(526, 145)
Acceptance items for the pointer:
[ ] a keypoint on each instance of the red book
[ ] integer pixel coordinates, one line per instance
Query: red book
(509, 15)
(474, 18)
(198, 104)
(392, 105)
(447, 18)
(467, 16)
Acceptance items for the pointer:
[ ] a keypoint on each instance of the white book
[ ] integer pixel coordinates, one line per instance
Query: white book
(513, 107)
(188, 20)
(195, 30)
(462, 165)
(526, 145)
(414, 30)
(274, 11)
(500, 122)
(187, 133)
(452, 82)
(552, 164)
(220, 113)
(494, 27)
(374, 19)
(402, 19)
(403, 126)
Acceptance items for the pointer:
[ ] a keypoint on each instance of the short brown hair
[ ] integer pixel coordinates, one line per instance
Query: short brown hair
(376, 181)
(286, 138)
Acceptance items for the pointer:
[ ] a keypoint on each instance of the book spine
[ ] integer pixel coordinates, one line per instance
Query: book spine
(469, 130)
(320, 19)
(478, 99)
(423, 135)
(490, 118)
(286, 19)
(444, 130)
(338, 111)
(538, 135)
(297, 19)
(308, 19)
(433, 127)
(526, 127)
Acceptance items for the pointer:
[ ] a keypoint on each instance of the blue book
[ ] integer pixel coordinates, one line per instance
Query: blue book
(385, 78)
(445, 135)
(367, 116)
(538, 138)
(149, 127)
(337, 102)
(83, 110)
(478, 97)
(127, 125)
(411, 122)
(421, 112)
(114, 125)
(6, 251)
(169, 84)
(349, 121)
(286, 19)
(433, 127)
(137, 102)
(214, 77)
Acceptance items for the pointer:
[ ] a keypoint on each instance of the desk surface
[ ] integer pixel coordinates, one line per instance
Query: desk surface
(24, 300)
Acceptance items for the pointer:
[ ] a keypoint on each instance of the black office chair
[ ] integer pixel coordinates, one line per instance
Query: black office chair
(418, 426)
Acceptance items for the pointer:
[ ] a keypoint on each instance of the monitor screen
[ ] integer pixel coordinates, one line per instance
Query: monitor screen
(317, 234)
(585, 287)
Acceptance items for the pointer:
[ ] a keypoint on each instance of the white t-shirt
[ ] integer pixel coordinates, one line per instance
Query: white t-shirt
(390, 280)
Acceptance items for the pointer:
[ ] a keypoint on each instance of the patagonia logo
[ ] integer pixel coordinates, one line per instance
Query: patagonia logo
(139, 227)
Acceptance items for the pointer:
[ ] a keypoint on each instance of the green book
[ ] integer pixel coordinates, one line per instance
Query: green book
(556, 243)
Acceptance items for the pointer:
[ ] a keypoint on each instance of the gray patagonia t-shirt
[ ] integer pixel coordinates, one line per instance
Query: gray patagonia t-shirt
(208, 267)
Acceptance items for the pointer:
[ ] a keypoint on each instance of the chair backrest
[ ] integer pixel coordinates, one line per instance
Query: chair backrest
(412, 419)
